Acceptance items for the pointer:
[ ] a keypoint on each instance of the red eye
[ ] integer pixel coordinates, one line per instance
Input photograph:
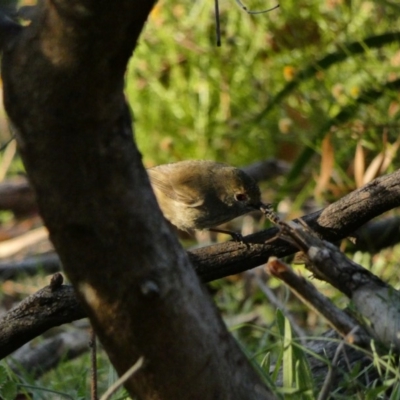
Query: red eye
(241, 197)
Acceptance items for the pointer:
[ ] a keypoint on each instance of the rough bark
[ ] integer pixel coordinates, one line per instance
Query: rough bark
(49, 307)
(134, 280)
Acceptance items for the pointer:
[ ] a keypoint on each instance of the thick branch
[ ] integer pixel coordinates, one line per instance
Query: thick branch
(36, 314)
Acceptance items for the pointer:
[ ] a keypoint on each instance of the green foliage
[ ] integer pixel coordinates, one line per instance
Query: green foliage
(297, 378)
(8, 385)
(279, 83)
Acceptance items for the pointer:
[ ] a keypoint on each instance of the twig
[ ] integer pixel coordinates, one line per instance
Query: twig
(118, 383)
(93, 362)
(278, 304)
(241, 5)
(47, 262)
(339, 320)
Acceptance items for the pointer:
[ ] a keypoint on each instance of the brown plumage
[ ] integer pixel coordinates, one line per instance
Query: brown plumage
(197, 194)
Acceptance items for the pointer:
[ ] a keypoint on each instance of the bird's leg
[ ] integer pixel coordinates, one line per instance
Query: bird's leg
(237, 237)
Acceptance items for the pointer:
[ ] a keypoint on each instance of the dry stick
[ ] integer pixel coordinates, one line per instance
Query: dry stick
(93, 365)
(241, 5)
(333, 223)
(339, 320)
(118, 383)
(4, 145)
(47, 263)
(278, 304)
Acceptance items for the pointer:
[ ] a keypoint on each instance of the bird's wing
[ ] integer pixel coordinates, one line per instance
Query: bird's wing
(178, 188)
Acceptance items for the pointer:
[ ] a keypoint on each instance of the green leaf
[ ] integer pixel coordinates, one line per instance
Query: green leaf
(9, 390)
(3, 375)
(288, 356)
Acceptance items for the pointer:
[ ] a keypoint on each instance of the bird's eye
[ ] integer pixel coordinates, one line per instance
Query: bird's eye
(241, 197)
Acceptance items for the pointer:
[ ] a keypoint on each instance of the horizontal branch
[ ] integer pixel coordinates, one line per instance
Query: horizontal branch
(51, 306)
(335, 222)
(47, 262)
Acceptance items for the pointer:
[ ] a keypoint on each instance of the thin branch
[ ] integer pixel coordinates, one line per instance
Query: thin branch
(48, 263)
(118, 383)
(278, 304)
(339, 320)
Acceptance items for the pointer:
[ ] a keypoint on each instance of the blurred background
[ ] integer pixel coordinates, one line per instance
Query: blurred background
(312, 88)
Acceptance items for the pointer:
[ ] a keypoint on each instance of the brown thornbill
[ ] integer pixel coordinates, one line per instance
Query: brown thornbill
(198, 194)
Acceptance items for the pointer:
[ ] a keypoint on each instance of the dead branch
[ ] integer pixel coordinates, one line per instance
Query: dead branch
(372, 298)
(343, 323)
(48, 263)
(333, 223)
(17, 196)
(377, 235)
(51, 306)
(39, 359)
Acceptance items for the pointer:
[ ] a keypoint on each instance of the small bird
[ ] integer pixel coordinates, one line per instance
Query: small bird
(199, 194)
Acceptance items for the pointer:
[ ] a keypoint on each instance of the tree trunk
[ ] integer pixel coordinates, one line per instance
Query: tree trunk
(63, 86)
